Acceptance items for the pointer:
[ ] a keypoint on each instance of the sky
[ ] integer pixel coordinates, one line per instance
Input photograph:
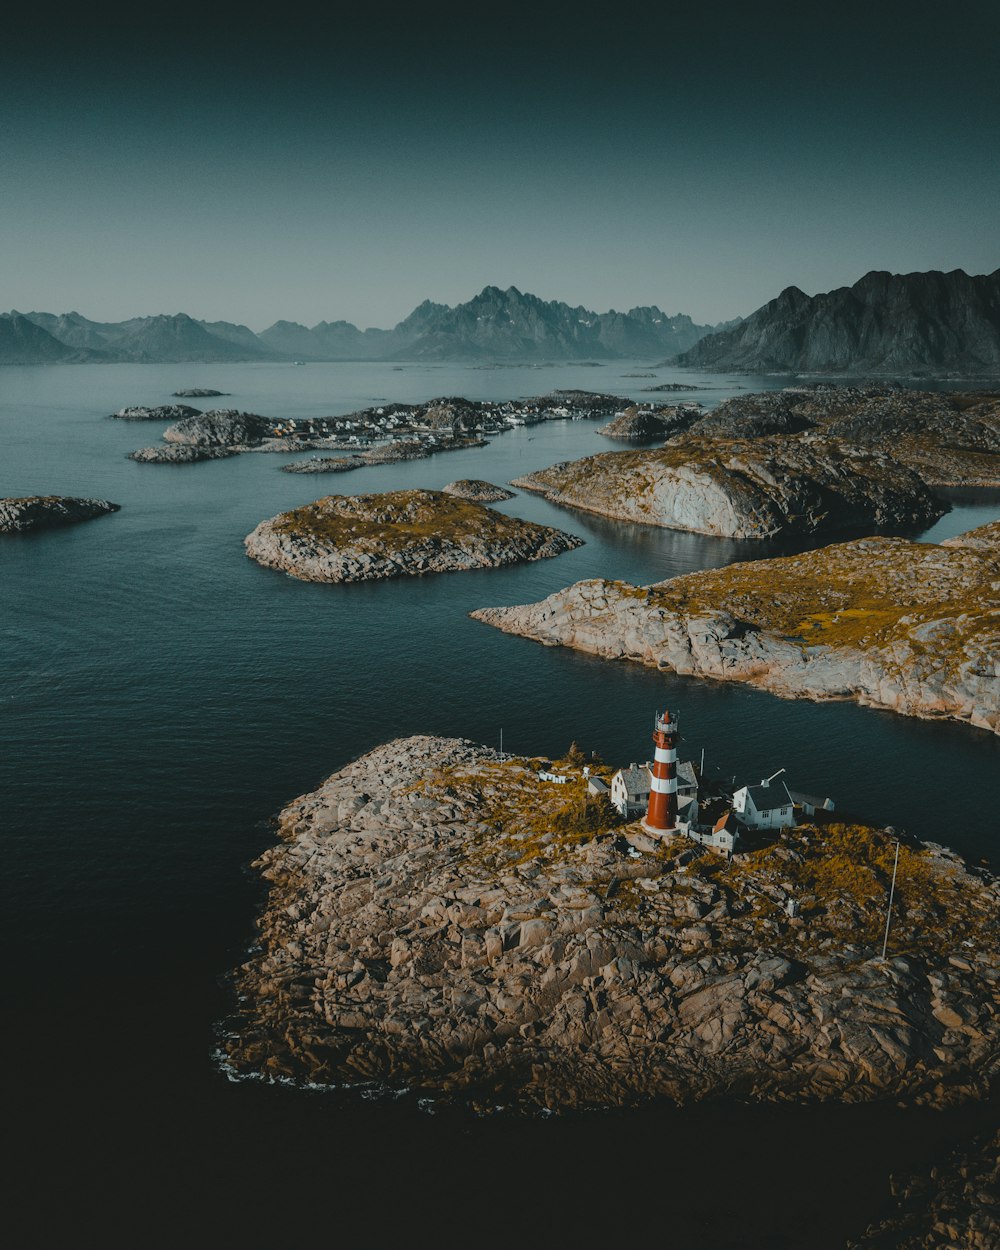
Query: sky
(253, 165)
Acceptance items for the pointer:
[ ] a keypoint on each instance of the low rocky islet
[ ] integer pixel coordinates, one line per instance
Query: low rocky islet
(478, 491)
(162, 412)
(21, 514)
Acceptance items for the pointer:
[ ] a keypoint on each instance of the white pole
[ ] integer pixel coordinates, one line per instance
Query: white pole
(892, 891)
(501, 744)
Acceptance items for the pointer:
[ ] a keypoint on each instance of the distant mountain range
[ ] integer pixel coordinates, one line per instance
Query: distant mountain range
(885, 323)
(495, 325)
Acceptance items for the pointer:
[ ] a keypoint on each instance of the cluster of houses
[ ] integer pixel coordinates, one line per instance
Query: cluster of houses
(707, 811)
(426, 422)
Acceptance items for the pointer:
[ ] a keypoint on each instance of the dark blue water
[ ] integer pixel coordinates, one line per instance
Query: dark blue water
(162, 697)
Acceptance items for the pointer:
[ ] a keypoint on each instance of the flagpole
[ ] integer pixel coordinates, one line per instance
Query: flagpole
(888, 914)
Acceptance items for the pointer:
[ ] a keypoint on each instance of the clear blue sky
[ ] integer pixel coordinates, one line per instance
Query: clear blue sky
(249, 168)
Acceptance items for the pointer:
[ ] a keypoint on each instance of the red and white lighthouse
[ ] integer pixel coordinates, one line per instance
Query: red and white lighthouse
(662, 814)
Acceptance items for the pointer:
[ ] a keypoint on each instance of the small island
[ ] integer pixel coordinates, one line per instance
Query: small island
(642, 421)
(199, 392)
(19, 515)
(493, 930)
(325, 464)
(350, 538)
(911, 627)
(478, 491)
(164, 412)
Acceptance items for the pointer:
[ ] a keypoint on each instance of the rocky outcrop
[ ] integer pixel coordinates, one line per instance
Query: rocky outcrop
(325, 464)
(214, 435)
(643, 421)
(199, 392)
(32, 512)
(477, 490)
(179, 453)
(222, 427)
(744, 488)
(884, 323)
(956, 1205)
(165, 412)
(911, 627)
(983, 538)
(951, 438)
(444, 921)
(350, 538)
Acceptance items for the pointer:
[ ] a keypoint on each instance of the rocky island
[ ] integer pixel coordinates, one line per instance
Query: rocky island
(33, 512)
(350, 538)
(478, 491)
(809, 459)
(743, 488)
(381, 435)
(912, 627)
(325, 464)
(445, 920)
(640, 421)
(163, 412)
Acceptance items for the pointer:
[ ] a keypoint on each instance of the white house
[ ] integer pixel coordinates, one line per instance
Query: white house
(630, 790)
(768, 805)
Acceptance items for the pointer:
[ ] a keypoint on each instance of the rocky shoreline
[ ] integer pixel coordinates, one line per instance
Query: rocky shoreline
(910, 627)
(350, 538)
(956, 1204)
(442, 920)
(19, 515)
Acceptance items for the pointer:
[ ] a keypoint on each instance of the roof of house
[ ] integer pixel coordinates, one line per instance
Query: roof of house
(810, 799)
(727, 823)
(636, 780)
(686, 775)
(767, 798)
(596, 786)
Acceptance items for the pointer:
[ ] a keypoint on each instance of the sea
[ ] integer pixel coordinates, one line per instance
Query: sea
(162, 697)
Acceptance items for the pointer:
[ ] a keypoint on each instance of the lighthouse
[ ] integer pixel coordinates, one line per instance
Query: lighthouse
(661, 816)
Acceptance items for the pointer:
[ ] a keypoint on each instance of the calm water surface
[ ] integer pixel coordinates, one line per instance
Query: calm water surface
(162, 697)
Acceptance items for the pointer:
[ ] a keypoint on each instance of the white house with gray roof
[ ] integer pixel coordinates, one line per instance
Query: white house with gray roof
(768, 805)
(630, 790)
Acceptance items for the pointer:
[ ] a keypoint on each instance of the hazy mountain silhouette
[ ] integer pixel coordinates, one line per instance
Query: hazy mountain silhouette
(884, 323)
(495, 325)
